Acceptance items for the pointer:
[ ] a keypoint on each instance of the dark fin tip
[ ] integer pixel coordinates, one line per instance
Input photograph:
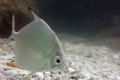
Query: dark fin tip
(29, 8)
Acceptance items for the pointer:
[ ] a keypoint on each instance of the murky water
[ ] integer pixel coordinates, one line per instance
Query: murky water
(89, 32)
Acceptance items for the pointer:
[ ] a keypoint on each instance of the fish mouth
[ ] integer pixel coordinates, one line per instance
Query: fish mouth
(64, 67)
(67, 65)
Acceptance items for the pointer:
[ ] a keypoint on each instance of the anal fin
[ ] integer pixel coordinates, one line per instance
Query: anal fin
(30, 74)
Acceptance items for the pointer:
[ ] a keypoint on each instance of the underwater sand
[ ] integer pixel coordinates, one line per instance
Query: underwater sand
(88, 62)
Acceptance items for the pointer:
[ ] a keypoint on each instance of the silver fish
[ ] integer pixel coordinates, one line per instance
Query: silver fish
(37, 47)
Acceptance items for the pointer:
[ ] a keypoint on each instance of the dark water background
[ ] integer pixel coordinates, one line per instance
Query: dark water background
(95, 20)
(80, 17)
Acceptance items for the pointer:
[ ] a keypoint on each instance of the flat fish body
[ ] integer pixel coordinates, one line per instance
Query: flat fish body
(37, 47)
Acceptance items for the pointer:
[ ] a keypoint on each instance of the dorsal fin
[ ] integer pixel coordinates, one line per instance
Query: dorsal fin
(13, 24)
(35, 16)
(13, 30)
(13, 27)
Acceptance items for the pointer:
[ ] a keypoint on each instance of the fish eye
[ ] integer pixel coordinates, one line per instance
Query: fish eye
(57, 60)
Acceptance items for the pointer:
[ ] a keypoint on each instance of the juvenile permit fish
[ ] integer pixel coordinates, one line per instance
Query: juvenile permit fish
(37, 47)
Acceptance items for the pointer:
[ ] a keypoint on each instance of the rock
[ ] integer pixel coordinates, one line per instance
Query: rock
(18, 77)
(1, 69)
(10, 72)
(47, 73)
(70, 70)
(118, 77)
(84, 73)
(74, 77)
(1, 75)
(58, 76)
(41, 78)
(40, 75)
(115, 56)
(54, 72)
(26, 78)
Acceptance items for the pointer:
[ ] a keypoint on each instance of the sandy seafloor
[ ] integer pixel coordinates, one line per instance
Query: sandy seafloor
(88, 62)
